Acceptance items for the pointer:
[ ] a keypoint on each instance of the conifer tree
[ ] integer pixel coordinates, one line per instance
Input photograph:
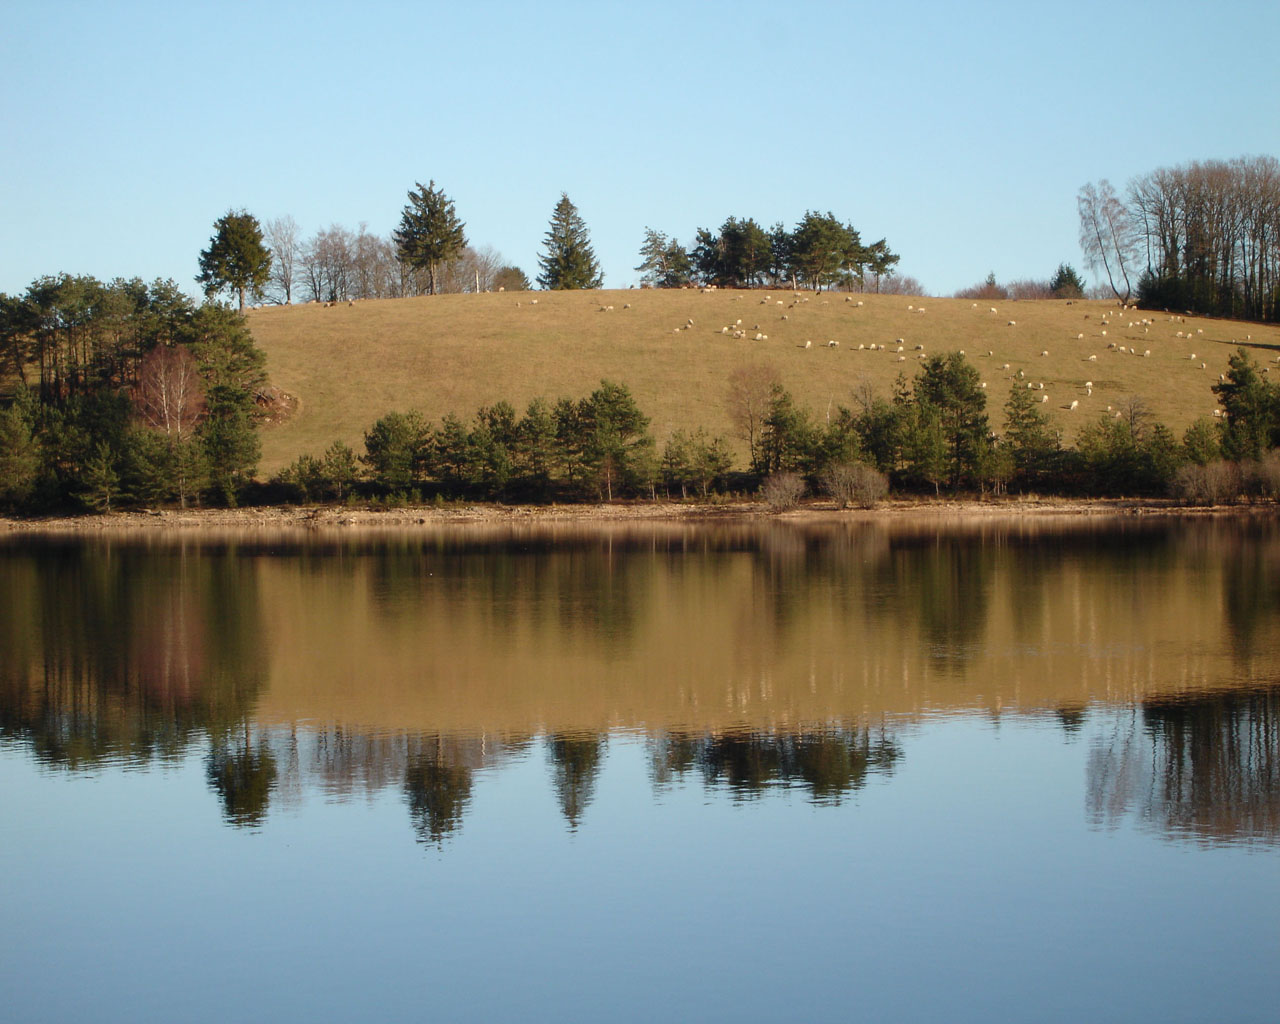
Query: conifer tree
(569, 261)
(430, 232)
(236, 258)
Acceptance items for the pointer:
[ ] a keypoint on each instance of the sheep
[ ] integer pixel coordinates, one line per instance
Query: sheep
(1104, 334)
(1004, 366)
(1079, 337)
(861, 347)
(780, 302)
(763, 337)
(1145, 353)
(1088, 391)
(902, 359)
(1111, 345)
(1044, 352)
(898, 349)
(1093, 359)
(1013, 323)
(1192, 357)
(808, 344)
(993, 309)
(784, 316)
(833, 343)
(689, 323)
(910, 308)
(919, 348)
(1074, 404)
(1043, 399)
(626, 305)
(1217, 414)
(859, 302)
(984, 385)
(533, 302)
(724, 330)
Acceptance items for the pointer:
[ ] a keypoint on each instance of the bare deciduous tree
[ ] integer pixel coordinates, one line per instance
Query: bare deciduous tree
(169, 395)
(749, 392)
(1107, 235)
(282, 238)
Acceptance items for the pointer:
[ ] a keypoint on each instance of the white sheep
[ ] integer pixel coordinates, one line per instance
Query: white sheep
(808, 344)
(1013, 323)
(1146, 352)
(1044, 352)
(833, 343)
(1074, 404)
(1044, 398)
(1093, 359)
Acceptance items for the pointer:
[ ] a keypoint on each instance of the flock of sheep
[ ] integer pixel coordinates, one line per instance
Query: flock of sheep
(1124, 320)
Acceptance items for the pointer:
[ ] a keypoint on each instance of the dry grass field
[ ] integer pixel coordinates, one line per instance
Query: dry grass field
(349, 364)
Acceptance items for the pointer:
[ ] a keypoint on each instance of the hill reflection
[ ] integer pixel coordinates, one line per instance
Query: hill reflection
(755, 659)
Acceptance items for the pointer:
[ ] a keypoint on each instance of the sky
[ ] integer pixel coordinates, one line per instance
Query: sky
(961, 133)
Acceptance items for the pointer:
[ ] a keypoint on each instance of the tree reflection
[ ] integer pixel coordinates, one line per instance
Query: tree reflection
(438, 790)
(1207, 766)
(829, 763)
(243, 774)
(575, 761)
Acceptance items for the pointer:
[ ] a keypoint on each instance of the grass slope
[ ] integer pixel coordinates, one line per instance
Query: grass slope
(349, 365)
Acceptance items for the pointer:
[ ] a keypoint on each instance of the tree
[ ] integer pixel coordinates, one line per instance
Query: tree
(236, 258)
(1251, 408)
(510, 279)
(282, 235)
(749, 392)
(822, 248)
(429, 231)
(568, 260)
(665, 262)
(1066, 283)
(1107, 235)
(1029, 437)
(949, 386)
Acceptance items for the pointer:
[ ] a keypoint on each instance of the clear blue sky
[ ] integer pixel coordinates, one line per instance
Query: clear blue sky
(961, 132)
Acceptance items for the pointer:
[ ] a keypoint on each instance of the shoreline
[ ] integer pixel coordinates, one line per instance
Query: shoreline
(902, 510)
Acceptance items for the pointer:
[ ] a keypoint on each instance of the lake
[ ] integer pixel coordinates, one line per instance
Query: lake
(993, 769)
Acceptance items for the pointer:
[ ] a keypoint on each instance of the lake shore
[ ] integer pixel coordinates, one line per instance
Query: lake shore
(904, 509)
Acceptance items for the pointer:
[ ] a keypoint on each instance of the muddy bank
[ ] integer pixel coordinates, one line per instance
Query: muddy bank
(816, 512)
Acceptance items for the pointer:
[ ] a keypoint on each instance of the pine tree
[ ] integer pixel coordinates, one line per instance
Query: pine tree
(568, 261)
(430, 232)
(236, 257)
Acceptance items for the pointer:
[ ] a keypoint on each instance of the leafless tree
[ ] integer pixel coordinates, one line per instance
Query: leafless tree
(282, 238)
(169, 395)
(749, 392)
(1107, 235)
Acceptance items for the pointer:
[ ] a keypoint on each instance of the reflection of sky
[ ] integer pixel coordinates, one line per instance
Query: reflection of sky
(967, 884)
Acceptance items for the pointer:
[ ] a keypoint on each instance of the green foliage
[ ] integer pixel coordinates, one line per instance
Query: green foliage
(822, 249)
(1066, 283)
(397, 448)
(236, 260)
(511, 279)
(694, 462)
(1200, 442)
(1251, 408)
(429, 232)
(19, 455)
(567, 260)
(616, 445)
(665, 262)
(948, 390)
(788, 439)
(1029, 439)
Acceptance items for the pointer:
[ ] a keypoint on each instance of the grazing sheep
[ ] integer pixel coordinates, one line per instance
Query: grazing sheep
(919, 348)
(1074, 404)
(808, 344)
(1093, 359)
(898, 349)
(833, 343)
(1146, 352)
(1044, 352)
(724, 330)
(859, 302)
(1044, 398)
(902, 359)
(1088, 383)
(983, 385)
(1088, 391)
(1104, 334)
(1013, 323)
(1079, 337)
(533, 302)
(993, 309)
(761, 337)
(1004, 366)
(1192, 357)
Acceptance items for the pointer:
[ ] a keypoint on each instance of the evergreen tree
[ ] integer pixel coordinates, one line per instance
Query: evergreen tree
(1066, 283)
(568, 260)
(236, 258)
(665, 261)
(430, 232)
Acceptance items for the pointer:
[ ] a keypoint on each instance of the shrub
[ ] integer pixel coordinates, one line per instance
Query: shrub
(1215, 483)
(782, 491)
(852, 483)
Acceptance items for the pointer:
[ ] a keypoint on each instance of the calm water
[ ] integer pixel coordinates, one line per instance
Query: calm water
(948, 772)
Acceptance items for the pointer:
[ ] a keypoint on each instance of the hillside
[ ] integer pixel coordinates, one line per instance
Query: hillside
(349, 364)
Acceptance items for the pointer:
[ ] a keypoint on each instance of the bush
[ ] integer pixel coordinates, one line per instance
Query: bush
(1215, 483)
(852, 483)
(782, 491)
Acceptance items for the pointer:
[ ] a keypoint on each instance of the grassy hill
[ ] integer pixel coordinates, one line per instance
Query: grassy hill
(349, 364)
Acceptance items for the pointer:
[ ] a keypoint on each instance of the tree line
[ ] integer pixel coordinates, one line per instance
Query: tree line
(818, 252)
(125, 392)
(1203, 236)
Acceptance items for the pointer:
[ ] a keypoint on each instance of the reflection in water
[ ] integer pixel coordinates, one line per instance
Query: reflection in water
(829, 762)
(410, 661)
(1207, 767)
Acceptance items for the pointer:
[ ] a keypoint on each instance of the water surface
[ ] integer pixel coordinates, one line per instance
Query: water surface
(1005, 769)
